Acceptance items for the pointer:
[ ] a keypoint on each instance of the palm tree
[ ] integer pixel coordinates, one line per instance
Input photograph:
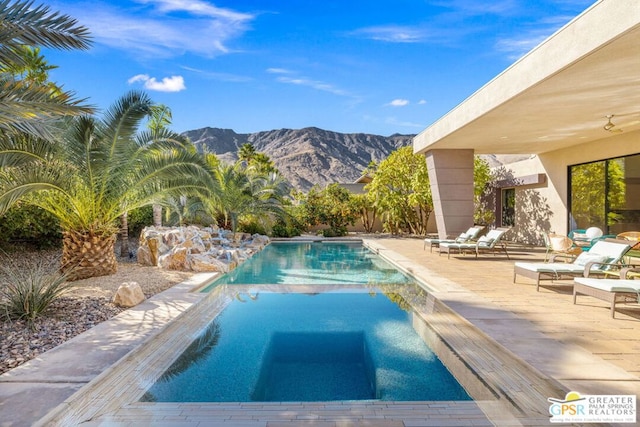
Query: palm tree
(246, 152)
(160, 118)
(24, 106)
(98, 170)
(242, 190)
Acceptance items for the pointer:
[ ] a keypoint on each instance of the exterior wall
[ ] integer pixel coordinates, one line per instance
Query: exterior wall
(545, 207)
(451, 180)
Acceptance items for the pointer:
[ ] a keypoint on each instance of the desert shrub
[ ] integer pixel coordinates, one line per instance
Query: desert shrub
(139, 218)
(335, 232)
(282, 229)
(31, 225)
(27, 291)
(252, 227)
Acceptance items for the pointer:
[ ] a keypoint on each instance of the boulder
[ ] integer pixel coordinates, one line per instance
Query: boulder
(197, 249)
(207, 263)
(129, 294)
(176, 259)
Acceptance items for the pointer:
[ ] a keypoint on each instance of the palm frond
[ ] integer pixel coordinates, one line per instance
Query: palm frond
(35, 109)
(24, 23)
(123, 118)
(19, 182)
(22, 149)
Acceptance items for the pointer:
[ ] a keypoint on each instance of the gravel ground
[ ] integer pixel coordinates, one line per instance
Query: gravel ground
(88, 304)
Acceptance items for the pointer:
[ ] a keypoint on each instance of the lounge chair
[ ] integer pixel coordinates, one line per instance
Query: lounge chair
(470, 235)
(610, 290)
(584, 239)
(601, 257)
(559, 244)
(487, 243)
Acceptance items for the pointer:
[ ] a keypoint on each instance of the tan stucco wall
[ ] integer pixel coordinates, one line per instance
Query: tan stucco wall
(545, 207)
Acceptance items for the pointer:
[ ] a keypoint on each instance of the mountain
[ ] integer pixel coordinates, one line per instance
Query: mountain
(305, 156)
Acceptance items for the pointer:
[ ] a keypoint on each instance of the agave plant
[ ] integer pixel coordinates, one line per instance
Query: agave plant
(26, 291)
(95, 172)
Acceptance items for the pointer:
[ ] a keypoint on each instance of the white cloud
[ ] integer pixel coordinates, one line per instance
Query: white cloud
(315, 84)
(138, 78)
(224, 77)
(197, 8)
(399, 102)
(422, 102)
(394, 33)
(168, 84)
(289, 77)
(163, 28)
(278, 71)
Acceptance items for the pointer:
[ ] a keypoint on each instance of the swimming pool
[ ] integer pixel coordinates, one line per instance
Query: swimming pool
(313, 263)
(310, 322)
(340, 344)
(495, 379)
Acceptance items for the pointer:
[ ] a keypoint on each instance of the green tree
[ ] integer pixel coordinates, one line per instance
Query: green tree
(26, 103)
(259, 161)
(246, 152)
(482, 178)
(241, 190)
(330, 206)
(366, 209)
(592, 195)
(401, 192)
(34, 70)
(98, 170)
(185, 210)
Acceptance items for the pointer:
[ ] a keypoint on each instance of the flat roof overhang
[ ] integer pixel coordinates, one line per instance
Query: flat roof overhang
(556, 96)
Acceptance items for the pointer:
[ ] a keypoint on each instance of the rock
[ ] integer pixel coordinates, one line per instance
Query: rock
(207, 263)
(176, 259)
(197, 249)
(129, 294)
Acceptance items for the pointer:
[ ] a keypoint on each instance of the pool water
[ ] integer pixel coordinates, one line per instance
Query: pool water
(347, 344)
(313, 263)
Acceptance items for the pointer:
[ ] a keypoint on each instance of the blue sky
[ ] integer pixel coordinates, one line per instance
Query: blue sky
(380, 67)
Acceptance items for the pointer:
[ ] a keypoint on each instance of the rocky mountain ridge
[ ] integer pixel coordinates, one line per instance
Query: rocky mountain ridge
(306, 156)
(311, 156)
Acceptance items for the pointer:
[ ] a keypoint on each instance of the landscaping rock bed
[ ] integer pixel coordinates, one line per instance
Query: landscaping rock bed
(88, 304)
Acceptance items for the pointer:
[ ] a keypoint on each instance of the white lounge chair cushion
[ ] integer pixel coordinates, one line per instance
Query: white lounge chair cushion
(552, 267)
(611, 251)
(580, 236)
(486, 241)
(585, 257)
(463, 237)
(610, 285)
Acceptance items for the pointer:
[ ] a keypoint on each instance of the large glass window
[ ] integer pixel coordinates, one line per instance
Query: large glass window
(606, 194)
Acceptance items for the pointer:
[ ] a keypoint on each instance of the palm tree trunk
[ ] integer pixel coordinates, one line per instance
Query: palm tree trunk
(124, 235)
(157, 215)
(85, 254)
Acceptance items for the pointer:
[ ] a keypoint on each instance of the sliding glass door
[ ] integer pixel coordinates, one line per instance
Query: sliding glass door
(605, 194)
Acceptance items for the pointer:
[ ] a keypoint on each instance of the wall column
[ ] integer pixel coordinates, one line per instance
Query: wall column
(451, 180)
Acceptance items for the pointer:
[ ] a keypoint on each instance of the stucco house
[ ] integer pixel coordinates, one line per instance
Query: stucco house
(573, 104)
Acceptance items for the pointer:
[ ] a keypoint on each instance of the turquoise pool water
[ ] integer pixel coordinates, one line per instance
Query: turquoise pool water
(312, 264)
(351, 344)
(351, 339)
